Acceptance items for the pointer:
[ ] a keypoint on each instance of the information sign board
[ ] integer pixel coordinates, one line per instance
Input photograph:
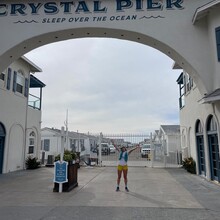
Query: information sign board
(60, 172)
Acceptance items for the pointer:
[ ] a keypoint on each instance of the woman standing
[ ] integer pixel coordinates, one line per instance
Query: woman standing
(122, 165)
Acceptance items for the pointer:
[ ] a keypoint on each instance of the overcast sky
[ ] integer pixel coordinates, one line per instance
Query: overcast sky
(107, 85)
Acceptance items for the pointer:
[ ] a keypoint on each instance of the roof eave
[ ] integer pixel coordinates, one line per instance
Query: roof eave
(209, 100)
(34, 68)
(202, 11)
(176, 66)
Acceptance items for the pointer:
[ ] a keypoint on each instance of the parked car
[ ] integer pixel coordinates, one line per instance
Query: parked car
(145, 150)
(105, 148)
(112, 148)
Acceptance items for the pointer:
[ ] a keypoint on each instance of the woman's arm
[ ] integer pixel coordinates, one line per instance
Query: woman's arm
(133, 149)
(116, 147)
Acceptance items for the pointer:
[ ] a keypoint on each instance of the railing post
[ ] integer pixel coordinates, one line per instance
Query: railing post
(151, 151)
(100, 149)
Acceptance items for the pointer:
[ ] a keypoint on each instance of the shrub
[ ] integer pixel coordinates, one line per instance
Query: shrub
(67, 156)
(32, 163)
(190, 165)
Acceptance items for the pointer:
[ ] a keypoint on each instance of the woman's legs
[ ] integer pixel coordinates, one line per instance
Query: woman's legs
(125, 174)
(119, 179)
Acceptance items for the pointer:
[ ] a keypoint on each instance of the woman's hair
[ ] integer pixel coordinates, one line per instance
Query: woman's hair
(123, 147)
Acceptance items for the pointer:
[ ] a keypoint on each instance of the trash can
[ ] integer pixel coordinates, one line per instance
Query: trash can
(50, 161)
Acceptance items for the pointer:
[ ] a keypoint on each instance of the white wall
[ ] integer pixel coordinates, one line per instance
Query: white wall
(189, 114)
(173, 143)
(55, 142)
(13, 115)
(34, 124)
(16, 149)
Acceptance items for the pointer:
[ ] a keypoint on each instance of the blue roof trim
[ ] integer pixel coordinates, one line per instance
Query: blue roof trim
(36, 83)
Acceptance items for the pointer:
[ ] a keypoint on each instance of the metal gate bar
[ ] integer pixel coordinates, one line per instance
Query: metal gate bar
(158, 154)
(129, 141)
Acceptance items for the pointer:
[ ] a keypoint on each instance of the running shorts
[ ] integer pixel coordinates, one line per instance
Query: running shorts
(120, 167)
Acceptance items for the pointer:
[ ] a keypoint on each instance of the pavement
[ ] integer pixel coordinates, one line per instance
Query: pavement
(155, 193)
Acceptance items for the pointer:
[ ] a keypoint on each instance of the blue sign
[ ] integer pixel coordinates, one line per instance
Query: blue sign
(60, 173)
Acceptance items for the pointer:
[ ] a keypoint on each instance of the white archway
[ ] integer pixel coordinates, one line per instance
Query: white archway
(167, 26)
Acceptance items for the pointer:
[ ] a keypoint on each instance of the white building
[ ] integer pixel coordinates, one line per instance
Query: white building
(84, 143)
(170, 135)
(20, 115)
(167, 139)
(199, 125)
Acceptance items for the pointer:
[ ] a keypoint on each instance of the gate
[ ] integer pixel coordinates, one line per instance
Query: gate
(150, 154)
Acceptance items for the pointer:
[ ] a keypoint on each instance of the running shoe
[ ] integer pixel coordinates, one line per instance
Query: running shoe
(117, 189)
(126, 189)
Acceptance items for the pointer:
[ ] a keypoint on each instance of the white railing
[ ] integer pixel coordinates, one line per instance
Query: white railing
(34, 102)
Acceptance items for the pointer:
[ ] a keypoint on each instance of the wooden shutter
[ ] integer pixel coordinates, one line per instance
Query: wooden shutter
(9, 79)
(15, 81)
(26, 87)
(217, 32)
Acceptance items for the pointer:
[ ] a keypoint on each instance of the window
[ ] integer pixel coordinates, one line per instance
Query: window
(217, 32)
(200, 148)
(199, 128)
(31, 143)
(188, 83)
(20, 82)
(31, 150)
(180, 81)
(185, 85)
(2, 130)
(2, 79)
(72, 144)
(82, 145)
(213, 148)
(212, 125)
(2, 76)
(46, 144)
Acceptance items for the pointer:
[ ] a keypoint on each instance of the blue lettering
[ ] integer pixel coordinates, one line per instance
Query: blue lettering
(18, 8)
(153, 5)
(82, 7)
(67, 6)
(139, 4)
(35, 8)
(50, 8)
(123, 4)
(4, 7)
(176, 3)
(97, 8)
